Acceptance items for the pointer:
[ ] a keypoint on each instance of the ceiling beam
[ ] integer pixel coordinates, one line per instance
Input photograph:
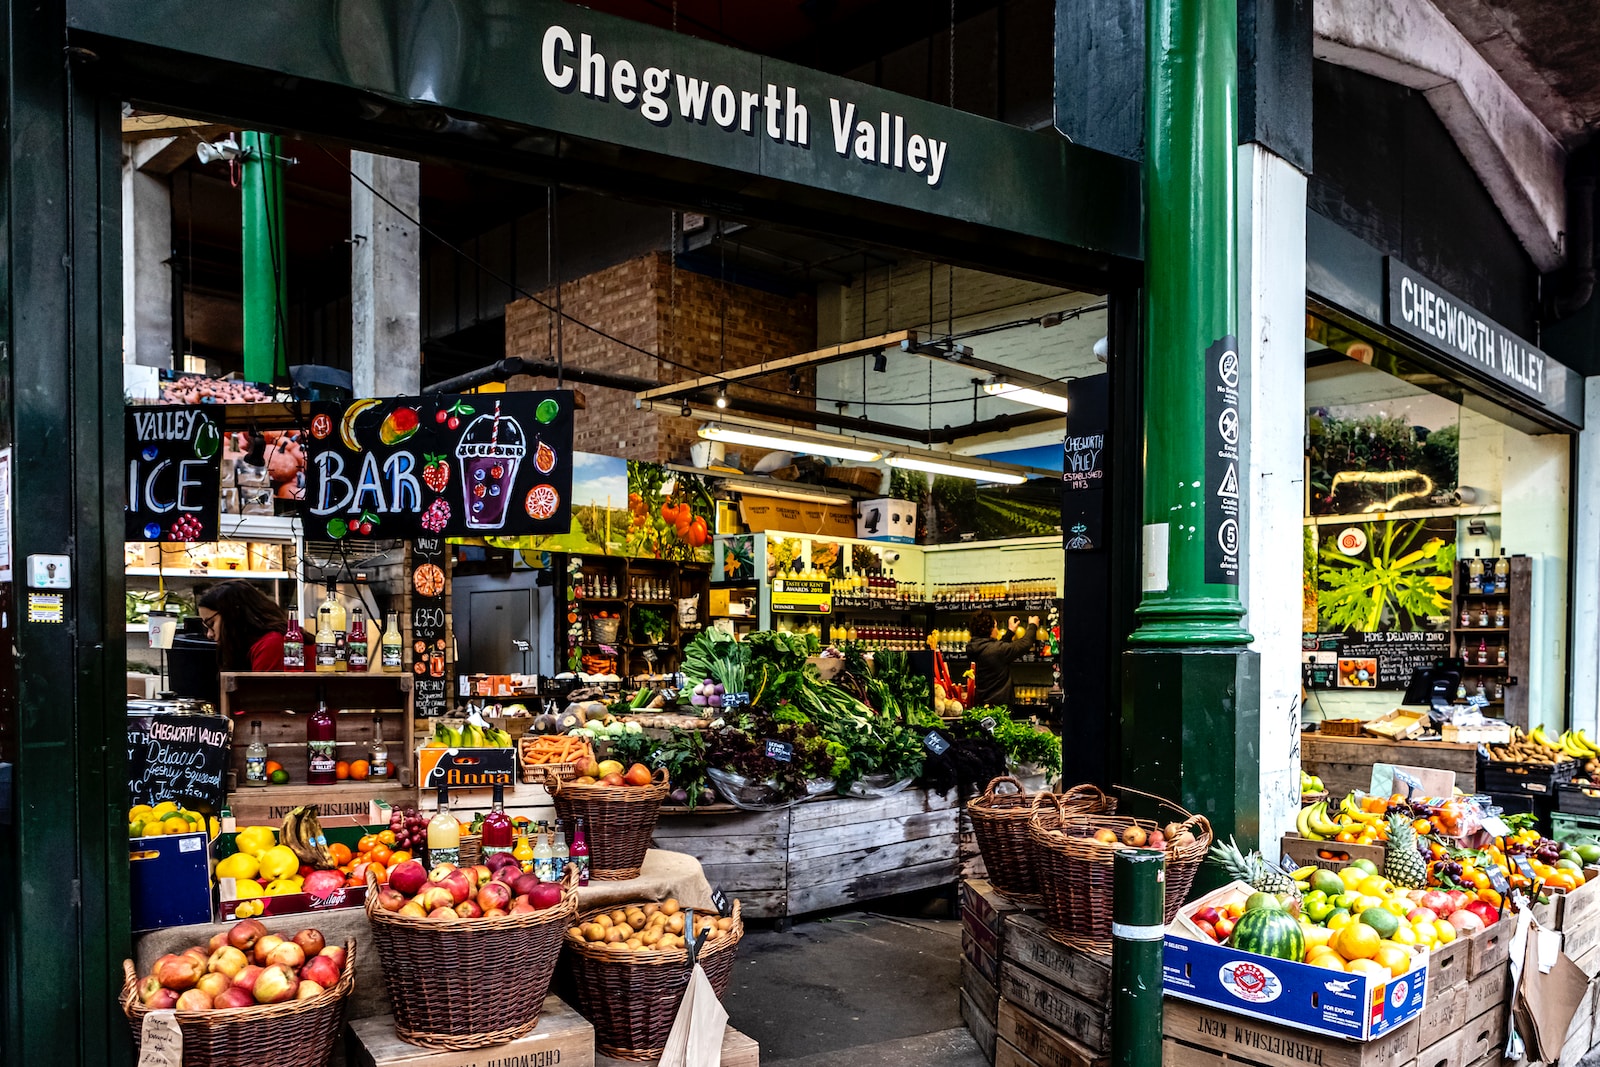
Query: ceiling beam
(774, 366)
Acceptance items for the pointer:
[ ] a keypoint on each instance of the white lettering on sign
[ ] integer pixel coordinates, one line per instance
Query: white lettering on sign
(1450, 325)
(575, 66)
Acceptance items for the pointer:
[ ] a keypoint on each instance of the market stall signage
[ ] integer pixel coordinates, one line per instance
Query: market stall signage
(179, 758)
(1382, 660)
(174, 474)
(1223, 465)
(466, 768)
(442, 465)
(1424, 311)
(1083, 464)
(802, 596)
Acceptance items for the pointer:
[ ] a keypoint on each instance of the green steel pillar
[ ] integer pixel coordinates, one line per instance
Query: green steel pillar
(266, 309)
(1191, 692)
(1138, 899)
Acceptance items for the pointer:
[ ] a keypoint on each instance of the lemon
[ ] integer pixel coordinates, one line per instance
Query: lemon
(1426, 934)
(139, 812)
(238, 865)
(246, 888)
(1405, 935)
(255, 840)
(278, 861)
(283, 887)
(1375, 885)
(1352, 877)
(152, 828)
(176, 824)
(1339, 922)
(165, 808)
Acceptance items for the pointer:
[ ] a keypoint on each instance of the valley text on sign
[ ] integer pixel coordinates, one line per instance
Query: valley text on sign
(1421, 309)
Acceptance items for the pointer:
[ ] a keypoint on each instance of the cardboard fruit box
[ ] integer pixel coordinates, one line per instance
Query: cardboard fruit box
(286, 903)
(1353, 1006)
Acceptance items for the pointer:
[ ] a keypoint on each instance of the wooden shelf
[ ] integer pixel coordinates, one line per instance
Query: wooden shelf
(205, 572)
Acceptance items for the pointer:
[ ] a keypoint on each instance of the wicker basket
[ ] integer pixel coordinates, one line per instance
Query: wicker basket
(633, 997)
(604, 631)
(471, 850)
(1000, 822)
(472, 983)
(618, 821)
(1075, 870)
(295, 1033)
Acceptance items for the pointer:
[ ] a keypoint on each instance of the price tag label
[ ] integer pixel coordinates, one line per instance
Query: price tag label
(735, 700)
(160, 1040)
(1496, 826)
(782, 751)
(934, 742)
(1497, 880)
(988, 723)
(658, 757)
(720, 899)
(1527, 870)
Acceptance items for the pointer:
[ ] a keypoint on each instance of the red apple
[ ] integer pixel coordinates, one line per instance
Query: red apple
(468, 909)
(275, 985)
(246, 979)
(448, 915)
(507, 874)
(459, 884)
(181, 972)
(245, 933)
(213, 983)
(264, 947)
(413, 910)
(155, 967)
(198, 954)
(287, 954)
(439, 870)
(522, 899)
(436, 896)
(226, 960)
(390, 899)
(336, 954)
(524, 885)
(1205, 928)
(409, 877)
(233, 997)
(545, 895)
(321, 970)
(147, 988)
(163, 1000)
(306, 990)
(218, 939)
(494, 895)
(494, 913)
(1224, 928)
(194, 1000)
(1205, 915)
(522, 907)
(310, 942)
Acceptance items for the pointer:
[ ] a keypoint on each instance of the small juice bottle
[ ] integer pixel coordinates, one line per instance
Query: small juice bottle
(444, 834)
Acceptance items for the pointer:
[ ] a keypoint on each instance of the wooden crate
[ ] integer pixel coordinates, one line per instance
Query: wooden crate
(1447, 965)
(337, 806)
(1216, 1032)
(984, 909)
(973, 952)
(985, 995)
(1086, 1022)
(1485, 1034)
(1445, 1013)
(1447, 1051)
(738, 1050)
(1345, 763)
(1489, 948)
(981, 1028)
(1580, 1032)
(1489, 990)
(563, 1036)
(1028, 944)
(744, 852)
(1329, 855)
(1032, 1043)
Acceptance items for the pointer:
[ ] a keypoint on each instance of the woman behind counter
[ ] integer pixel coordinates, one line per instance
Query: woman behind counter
(247, 625)
(992, 655)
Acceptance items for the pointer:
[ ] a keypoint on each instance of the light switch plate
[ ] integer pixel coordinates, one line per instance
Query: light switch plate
(49, 572)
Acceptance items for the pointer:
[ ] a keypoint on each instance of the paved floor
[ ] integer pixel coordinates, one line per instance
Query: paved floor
(853, 989)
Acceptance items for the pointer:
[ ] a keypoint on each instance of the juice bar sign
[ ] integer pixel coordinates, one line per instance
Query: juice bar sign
(1420, 309)
(174, 477)
(441, 466)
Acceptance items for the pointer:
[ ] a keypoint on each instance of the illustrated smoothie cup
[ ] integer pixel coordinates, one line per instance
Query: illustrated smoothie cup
(488, 455)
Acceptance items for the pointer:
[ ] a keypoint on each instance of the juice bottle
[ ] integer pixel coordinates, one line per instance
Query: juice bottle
(379, 758)
(389, 654)
(560, 854)
(1475, 572)
(356, 641)
(543, 858)
(255, 757)
(321, 736)
(331, 653)
(444, 834)
(579, 853)
(497, 825)
(294, 645)
(524, 853)
(1502, 572)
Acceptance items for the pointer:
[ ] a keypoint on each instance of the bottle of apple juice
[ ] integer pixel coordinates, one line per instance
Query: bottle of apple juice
(444, 834)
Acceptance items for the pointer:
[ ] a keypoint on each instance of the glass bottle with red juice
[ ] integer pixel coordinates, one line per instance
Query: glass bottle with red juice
(321, 738)
(497, 835)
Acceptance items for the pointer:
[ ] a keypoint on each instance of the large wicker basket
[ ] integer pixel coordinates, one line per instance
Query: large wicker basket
(633, 997)
(295, 1033)
(471, 983)
(617, 821)
(1075, 870)
(1000, 822)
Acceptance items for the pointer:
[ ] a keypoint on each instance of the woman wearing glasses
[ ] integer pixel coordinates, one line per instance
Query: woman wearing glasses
(247, 626)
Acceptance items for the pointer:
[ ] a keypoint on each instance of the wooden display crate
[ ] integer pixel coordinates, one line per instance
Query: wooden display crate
(1329, 855)
(1447, 965)
(1345, 763)
(1489, 948)
(1487, 991)
(1026, 1042)
(738, 1050)
(563, 1036)
(985, 996)
(981, 1027)
(1028, 944)
(1199, 1036)
(1444, 1014)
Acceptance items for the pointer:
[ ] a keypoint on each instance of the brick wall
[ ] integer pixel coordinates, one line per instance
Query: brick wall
(679, 313)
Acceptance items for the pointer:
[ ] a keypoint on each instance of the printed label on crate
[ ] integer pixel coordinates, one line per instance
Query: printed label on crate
(466, 768)
(1250, 981)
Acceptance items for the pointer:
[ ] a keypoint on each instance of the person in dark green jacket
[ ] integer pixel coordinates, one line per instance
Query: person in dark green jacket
(992, 654)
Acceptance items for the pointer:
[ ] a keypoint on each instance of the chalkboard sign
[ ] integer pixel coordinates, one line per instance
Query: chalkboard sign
(782, 751)
(1398, 653)
(430, 690)
(183, 758)
(174, 474)
(1083, 464)
(448, 465)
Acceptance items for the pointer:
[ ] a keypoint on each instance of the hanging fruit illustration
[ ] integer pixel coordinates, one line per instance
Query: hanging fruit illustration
(544, 458)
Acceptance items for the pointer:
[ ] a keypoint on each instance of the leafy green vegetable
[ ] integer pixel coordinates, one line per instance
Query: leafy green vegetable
(1023, 742)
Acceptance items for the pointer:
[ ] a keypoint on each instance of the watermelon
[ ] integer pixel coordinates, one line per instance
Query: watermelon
(1269, 932)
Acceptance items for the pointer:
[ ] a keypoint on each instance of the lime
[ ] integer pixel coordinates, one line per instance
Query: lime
(547, 411)
(337, 528)
(279, 777)
(1383, 921)
(207, 439)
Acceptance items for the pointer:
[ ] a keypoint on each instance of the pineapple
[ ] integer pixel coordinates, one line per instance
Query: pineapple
(1402, 863)
(1262, 876)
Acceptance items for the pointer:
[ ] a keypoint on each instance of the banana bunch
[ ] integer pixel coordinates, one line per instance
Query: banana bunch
(1313, 823)
(1302, 877)
(302, 832)
(1576, 744)
(1536, 746)
(470, 735)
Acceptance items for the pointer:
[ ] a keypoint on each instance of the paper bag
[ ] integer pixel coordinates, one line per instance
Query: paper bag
(698, 1031)
(1548, 995)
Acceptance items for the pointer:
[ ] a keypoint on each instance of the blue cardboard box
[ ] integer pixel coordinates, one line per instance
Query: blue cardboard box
(1354, 1006)
(169, 880)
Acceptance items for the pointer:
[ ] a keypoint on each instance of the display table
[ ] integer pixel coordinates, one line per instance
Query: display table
(663, 874)
(820, 853)
(1345, 763)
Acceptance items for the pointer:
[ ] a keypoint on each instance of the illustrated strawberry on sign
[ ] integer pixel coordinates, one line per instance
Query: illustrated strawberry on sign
(435, 471)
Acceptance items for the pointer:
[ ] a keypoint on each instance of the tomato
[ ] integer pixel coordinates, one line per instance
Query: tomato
(669, 513)
(698, 533)
(386, 836)
(367, 843)
(340, 853)
(398, 857)
(381, 854)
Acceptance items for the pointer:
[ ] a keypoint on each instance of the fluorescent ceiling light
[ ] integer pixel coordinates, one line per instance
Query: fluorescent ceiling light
(1007, 390)
(784, 492)
(787, 443)
(956, 470)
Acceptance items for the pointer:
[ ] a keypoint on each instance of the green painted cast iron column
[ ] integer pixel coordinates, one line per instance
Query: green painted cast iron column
(266, 310)
(1193, 547)
(1138, 911)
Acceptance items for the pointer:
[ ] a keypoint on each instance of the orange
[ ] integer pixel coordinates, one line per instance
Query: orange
(341, 770)
(1330, 960)
(386, 836)
(273, 765)
(366, 843)
(340, 853)
(381, 855)
(400, 855)
(359, 769)
(379, 872)
(1394, 958)
(1358, 941)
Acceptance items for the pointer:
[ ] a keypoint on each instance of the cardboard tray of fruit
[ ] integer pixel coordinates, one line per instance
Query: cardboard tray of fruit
(1356, 1005)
